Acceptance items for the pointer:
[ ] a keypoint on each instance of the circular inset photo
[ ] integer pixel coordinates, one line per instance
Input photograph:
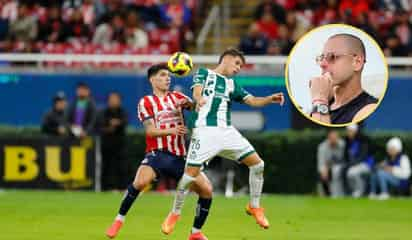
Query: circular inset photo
(336, 75)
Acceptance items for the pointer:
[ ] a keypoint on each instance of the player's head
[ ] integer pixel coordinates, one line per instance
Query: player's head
(394, 147)
(333, 137)
(343, 57)
(114, 100)
(159, 77)
(82, 90)
(231, 61)
(59, 101)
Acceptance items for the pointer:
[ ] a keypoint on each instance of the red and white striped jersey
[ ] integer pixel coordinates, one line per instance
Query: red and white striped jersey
(165, 114)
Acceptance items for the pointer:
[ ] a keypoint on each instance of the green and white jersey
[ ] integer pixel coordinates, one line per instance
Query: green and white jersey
(219, 91)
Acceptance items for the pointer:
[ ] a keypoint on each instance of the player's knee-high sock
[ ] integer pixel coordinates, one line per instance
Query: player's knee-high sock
(256, 183)
(129, 197)
(202, 210)
(182, 187)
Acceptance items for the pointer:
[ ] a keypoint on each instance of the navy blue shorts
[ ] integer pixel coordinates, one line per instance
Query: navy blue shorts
(165, 164)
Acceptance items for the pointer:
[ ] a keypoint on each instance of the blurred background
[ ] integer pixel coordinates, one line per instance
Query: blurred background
(72, 71)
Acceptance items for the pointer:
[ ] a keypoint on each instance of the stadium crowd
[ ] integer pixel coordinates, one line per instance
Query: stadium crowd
(95, 26)
(155, 26)
(279, 24)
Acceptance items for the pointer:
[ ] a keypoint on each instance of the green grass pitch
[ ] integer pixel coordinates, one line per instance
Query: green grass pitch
(54, 215)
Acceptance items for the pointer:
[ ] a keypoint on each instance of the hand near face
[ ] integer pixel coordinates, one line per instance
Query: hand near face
(321, 87)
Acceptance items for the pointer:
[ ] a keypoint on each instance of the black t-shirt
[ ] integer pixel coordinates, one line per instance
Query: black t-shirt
(345, 113)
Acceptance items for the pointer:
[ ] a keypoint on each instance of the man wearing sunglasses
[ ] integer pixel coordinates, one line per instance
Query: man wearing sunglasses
(337, 95)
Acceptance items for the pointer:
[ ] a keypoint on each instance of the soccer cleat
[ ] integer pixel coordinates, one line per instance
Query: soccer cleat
(114, 229)
(259, 215)
(169, 223)
(197, 236)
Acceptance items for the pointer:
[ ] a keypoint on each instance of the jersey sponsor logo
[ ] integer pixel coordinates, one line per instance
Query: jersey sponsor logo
(221, 96)
(168, 116)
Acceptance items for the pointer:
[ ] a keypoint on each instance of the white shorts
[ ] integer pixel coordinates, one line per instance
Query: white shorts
(209, 142)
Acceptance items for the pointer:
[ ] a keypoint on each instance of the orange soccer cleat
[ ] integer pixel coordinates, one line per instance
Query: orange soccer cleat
(197, 236)
(259, 215)
(169, 223)
(114, 229)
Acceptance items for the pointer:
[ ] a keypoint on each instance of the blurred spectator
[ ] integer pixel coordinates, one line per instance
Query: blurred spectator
(175, 13)
(9, 10)
(394, 47)
(54, 121)
(88, 12)
(297, 25)
(362, 22)
(393, 172)
(402, 27)
(75, 29)
(111, 31)
(277, 11)
(331, 164)
(282, 45)
(358, 160)
(326, 14)
(135, 36)
(353, 8)
(113, 123)
(254, 43)
(268, 26)
(24, 28)
(394, 5)
(148, 10)
(51, 29)
(82, 112)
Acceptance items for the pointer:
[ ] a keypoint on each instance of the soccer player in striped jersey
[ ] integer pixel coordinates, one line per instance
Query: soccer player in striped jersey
(161, 114)
(213, 134)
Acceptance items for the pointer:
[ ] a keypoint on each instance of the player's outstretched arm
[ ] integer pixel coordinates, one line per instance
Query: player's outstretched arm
(263, 101)
(152, 131)
(197, 96)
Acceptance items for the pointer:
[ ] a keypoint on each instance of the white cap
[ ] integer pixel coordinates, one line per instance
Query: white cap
(353, 127)
(394, 143)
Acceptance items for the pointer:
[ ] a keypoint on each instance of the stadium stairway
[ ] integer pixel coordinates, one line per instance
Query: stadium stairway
(241, 17)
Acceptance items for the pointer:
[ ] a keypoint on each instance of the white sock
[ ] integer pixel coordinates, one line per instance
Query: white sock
(181, 190)
(120, 217)
(195, 230)
(256, 183)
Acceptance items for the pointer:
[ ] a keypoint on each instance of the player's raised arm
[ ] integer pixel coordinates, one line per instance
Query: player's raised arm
(197, 87)
(263, 101)
(152, 131)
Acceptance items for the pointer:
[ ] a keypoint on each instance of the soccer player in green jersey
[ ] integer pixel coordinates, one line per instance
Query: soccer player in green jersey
(213, 134)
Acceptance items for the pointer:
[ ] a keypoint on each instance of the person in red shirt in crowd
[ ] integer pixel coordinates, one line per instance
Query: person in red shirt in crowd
(354, 7)
(268, 26)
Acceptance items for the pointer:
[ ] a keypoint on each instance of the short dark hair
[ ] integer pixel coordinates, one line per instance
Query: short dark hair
(154, 69)
(232, 52)
(82, 85)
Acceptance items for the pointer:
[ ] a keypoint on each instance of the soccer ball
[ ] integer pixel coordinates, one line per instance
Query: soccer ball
(180, 64)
